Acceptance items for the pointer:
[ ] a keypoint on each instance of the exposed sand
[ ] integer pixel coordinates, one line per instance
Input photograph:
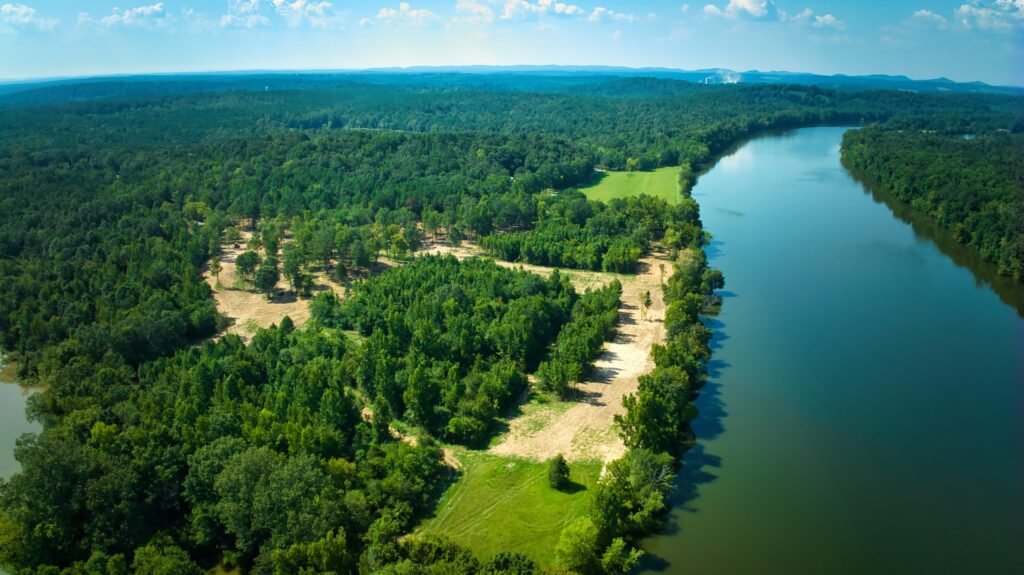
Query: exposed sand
(585, 430)
(249, 310)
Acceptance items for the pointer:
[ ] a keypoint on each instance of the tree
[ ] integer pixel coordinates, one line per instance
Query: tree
(292, 263)
(246, 264)
(646, 303)
(619, 558)
(577, 547)
(506, 563)
(215, 268)
(558, 472)
(267, 276)
(163, 557)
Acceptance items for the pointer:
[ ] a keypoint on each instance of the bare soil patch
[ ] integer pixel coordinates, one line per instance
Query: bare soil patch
(248, 310)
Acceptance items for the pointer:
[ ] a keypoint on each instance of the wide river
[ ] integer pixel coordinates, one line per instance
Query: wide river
(865, 410)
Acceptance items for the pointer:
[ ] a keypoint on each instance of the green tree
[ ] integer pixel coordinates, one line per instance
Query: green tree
(619, 558)
(267, 276)
(216, 268)
(577, 547)
(509, 563)
(558, 472)
(163, 557)
(246, 264)
(292, 262)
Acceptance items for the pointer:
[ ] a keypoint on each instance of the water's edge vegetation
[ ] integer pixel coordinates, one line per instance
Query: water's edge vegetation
(972, 187)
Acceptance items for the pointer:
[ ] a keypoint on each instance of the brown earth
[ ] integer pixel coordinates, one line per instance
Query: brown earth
(249, 310)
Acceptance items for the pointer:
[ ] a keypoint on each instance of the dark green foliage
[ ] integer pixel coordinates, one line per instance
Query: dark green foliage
(558, 472)
(257, 452)
(972, 187)
(575, 233)
(267, 275)
(247, 263)
(448, 342)
(593, 322)
(509, 564)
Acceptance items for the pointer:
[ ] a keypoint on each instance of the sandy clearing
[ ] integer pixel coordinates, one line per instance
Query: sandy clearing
(586, 430)
(249, 311)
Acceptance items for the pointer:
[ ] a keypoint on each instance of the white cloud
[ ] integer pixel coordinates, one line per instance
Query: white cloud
(828, 21)
(750, 9)
(1000, 15)
(365, 22)
(928, 18)
(315, 14)
(617, 35)
(473, 12)
(151, 17)
(406, 14)
(516, 9)
(243, 14)
(20, 16)
(685, 8)
(602, 13)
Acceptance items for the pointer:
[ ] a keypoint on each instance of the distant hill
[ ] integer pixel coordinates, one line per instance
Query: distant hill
(489, 78)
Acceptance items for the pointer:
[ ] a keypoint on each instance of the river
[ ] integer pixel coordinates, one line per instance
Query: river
(865, 407)
(13, 422)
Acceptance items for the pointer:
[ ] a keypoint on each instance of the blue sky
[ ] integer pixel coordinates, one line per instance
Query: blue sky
(961, 39)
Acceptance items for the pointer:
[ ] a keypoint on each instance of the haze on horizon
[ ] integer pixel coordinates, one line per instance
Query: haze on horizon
(964, 40)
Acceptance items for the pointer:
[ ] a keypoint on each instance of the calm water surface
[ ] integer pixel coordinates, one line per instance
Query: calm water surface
(12, 424)
(865, 412)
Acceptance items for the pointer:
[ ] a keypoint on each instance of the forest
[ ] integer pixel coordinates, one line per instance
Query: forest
(317, 450)
(972, 186)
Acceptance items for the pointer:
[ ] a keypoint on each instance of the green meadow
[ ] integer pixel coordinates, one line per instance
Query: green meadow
(662, 183)
(502, 503)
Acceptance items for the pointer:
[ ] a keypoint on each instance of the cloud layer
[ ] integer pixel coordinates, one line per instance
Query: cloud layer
(14, 17)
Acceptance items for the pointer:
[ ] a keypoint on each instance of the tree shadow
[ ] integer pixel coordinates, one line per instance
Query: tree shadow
(714, 249)
(571, 487)
(698, 467)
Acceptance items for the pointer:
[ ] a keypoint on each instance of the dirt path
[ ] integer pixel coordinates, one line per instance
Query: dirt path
(248, 310)
(585, 430)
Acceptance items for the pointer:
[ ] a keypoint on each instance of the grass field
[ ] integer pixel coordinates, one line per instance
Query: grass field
(662, 183)
(502, 504)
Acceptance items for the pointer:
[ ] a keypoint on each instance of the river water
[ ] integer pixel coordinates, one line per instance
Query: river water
(13, 423)
(865, 410)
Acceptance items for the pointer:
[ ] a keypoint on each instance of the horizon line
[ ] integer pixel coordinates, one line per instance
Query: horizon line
(455, 68)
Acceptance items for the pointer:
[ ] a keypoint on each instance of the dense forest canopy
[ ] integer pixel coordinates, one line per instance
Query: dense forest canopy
(163, 450)
(972, 184)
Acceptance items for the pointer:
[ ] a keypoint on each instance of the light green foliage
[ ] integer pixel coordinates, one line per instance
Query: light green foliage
(578, 547)
(163, 557)
(619, 558)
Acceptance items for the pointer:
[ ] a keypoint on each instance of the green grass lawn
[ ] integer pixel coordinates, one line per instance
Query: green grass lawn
(506, 504)
(662, 183)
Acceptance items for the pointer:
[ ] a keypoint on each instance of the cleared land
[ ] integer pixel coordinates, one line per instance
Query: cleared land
(584, 430)
(662, 183)
(249, 311)
(502, 503)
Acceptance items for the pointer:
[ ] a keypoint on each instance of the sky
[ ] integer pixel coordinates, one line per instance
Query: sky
(964, 40)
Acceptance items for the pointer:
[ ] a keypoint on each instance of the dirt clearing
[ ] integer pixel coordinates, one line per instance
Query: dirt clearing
(249, 311)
